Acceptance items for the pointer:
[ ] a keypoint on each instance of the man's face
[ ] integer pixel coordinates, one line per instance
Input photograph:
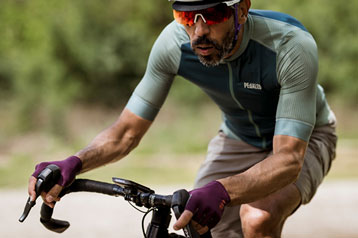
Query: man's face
(211, 43)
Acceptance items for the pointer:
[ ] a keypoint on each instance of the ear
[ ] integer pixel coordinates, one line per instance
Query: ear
(243, 11)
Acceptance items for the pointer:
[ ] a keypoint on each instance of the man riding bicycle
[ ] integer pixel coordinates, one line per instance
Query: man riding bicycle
(277, 139)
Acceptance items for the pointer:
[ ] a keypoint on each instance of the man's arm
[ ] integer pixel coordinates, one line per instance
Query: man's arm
(115, 142)
(124, 135)
(109, 146)
(271, 174)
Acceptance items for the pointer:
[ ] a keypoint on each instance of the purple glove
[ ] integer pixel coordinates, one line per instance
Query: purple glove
(69, 167)
(207, 203)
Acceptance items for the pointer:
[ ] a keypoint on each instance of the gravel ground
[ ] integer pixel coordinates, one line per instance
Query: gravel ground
(332, 213)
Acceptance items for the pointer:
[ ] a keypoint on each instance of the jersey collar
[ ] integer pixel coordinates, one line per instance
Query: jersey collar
(245, 39)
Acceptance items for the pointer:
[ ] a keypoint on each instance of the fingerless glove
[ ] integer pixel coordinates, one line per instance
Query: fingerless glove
(69, 167)
(207, 203)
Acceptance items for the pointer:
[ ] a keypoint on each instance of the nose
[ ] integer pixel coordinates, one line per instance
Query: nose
(201, 28)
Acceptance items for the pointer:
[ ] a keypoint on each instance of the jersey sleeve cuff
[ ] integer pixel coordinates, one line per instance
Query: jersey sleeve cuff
(295, 128)
(141, 108)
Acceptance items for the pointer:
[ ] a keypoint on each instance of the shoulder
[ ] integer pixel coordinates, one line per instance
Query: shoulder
(166, 51)
(295, 48)
(171, 38)
(272, 17)
(279, 31)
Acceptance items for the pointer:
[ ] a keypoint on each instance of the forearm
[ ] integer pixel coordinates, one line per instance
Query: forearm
(271, 174)
(260, 180)
(103, 150)
(115, 142)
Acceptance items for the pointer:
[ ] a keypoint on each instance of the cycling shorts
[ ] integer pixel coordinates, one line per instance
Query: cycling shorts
(227, 157)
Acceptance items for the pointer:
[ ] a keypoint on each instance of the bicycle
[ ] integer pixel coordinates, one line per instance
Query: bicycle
(141, 196)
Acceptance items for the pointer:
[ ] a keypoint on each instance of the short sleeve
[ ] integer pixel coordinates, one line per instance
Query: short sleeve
(297, 70)
(163, 64)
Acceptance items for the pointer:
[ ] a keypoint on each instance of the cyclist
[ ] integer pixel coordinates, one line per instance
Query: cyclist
(277, 139)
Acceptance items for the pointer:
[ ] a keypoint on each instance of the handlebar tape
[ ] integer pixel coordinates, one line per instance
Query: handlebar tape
(50, 223)
(79, 185)
(85, 185)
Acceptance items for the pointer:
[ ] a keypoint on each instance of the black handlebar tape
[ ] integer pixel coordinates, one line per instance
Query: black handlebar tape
(85, 185)
(79, 185)
(50, 223)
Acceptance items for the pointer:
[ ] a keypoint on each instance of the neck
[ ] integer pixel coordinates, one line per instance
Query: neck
(237, 43)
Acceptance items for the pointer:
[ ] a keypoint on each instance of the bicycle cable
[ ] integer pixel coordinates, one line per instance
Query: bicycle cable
(143, 230)
(143, 219)
(130, 203)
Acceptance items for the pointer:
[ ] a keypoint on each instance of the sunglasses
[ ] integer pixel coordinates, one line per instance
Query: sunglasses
(210, 16)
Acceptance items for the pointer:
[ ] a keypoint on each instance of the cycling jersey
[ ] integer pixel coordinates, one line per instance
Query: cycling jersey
(268, 87)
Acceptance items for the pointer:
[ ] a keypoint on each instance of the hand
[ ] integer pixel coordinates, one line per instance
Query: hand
(185, 218)
(48, 197)
(69, 168)
(205, 206)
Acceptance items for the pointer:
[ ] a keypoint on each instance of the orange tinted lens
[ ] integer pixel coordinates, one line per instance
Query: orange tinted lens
(213, 15)
(185, 18)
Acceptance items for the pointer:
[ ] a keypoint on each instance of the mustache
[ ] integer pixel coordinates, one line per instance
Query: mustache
(205, 41)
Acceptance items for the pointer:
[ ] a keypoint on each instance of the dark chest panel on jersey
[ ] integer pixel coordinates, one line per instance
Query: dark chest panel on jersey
(252, 81)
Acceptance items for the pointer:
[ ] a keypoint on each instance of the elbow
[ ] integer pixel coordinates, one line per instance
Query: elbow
(126, 144)
(132, 142)
(291, 150)
(296, 164)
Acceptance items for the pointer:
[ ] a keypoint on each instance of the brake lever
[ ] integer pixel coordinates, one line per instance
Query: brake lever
(29, 204)
(45, 181)
(179, 200)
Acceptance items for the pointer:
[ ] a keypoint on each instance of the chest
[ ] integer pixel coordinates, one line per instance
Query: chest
(247, 83)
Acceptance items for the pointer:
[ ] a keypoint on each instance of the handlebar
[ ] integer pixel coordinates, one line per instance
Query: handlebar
(79, 185)
(131, 191)
(140, 198)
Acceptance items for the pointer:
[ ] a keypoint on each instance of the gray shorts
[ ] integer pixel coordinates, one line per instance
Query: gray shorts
(227, 157)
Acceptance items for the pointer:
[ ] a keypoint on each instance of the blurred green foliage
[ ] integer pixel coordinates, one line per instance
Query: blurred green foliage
(333, 24)
(55, 53)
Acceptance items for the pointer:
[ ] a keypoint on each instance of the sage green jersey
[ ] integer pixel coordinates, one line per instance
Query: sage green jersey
(268, 87)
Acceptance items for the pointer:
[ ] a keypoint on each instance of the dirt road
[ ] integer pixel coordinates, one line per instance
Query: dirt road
(332, 213)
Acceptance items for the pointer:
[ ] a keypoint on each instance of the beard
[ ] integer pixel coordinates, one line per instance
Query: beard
(222, 50)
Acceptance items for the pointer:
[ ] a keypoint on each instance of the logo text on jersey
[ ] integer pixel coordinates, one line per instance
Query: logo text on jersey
(252, 86)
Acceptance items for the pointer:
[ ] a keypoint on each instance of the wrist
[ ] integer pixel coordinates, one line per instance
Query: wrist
(70, 167)
(75, 163)
(225, 185)
(223, 191)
